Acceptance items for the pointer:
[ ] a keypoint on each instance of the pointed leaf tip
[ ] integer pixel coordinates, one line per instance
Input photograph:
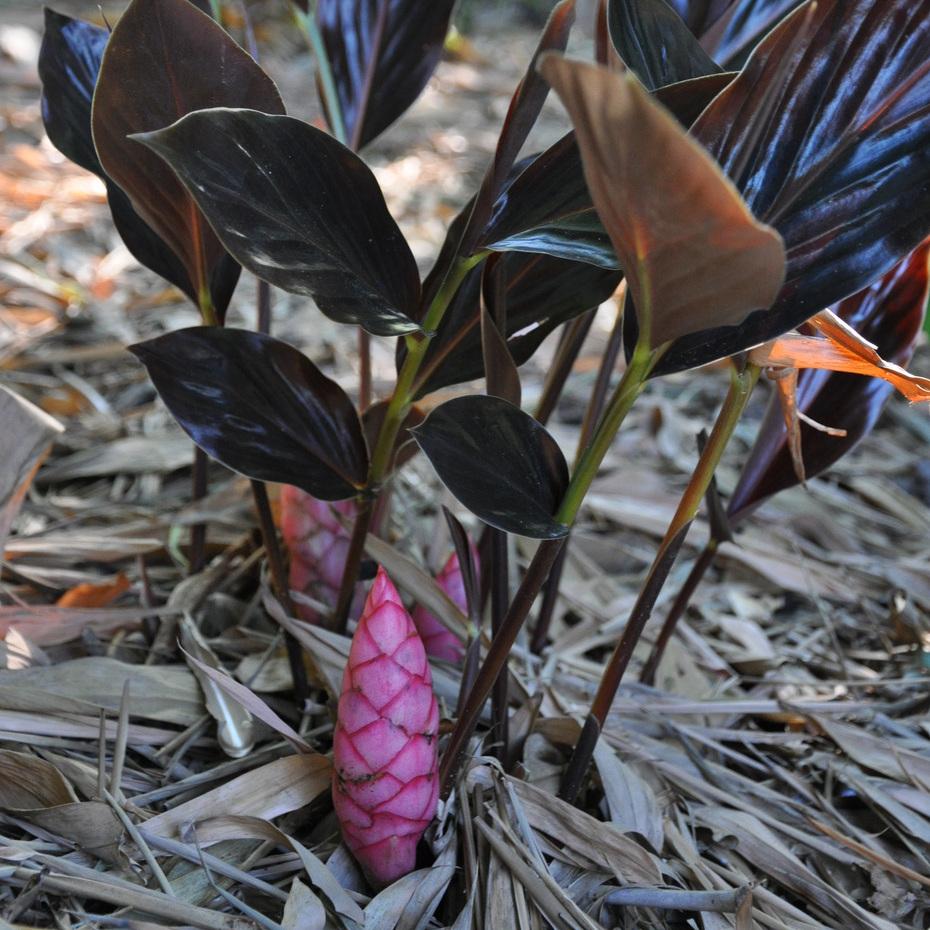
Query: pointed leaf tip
(498, 462)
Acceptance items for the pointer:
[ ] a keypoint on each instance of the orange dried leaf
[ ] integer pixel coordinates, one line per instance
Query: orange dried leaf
(94, 595)
(840, 348)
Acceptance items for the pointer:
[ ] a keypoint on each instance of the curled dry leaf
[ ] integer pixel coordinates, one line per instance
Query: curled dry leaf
(693, 255)
(235, 728)
(237, 826)
(27, 434)
(840, 349)
(35, 791)
(247, 699)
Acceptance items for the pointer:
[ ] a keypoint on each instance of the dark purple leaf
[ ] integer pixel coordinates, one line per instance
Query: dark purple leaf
(826, 132)
(382, 53)
(69, 62)
(654, 42)
(260, 407)
(498, 462)
(732, 33)
(890, 314)
(299, 210)
(166, 58)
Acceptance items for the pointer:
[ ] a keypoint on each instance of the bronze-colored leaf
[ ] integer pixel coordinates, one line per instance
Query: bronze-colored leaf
(693, 254)
(164, 59)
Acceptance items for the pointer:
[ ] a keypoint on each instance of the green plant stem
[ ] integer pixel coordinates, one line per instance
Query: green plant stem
(397, 410)
(591, 417)
(307, 23)
(620, 404)
(741, 385)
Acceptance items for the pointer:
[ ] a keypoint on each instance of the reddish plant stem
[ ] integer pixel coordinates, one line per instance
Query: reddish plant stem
(276, 566)
(364, 370)
(622, 400)
(619, 661)
(354, 555)
(496, 659)
(500, 597)
(198, 492)
(573, 337)
(676, 611)
(741, 385)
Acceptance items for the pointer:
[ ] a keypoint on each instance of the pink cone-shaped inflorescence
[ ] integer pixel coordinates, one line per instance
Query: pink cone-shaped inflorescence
(317, 542)
(440, 642)
(385, 770)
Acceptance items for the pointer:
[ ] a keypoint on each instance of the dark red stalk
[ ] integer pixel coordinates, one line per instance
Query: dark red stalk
(496, 659)
(276, 562)
(573, 337)
(500, 598)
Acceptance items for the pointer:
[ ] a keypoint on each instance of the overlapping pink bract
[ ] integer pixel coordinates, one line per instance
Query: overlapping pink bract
(317, 543)
(440, 642)
(385, 770)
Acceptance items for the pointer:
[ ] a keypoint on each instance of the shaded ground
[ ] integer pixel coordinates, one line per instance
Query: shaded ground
(784, 758)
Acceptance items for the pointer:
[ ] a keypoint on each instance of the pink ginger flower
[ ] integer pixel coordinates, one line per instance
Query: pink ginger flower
(385, 768)
(318, 544)
(440, 642)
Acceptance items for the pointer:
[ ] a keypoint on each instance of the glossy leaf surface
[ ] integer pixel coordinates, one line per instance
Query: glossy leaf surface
(498, 462)
(693, 255)
(655, 43)
(733, 34)
(541, 292)
(166, 58)
(260, 407)
(547, 209)
(890, 314)
(299, 210)
(838, 165)
(382, 53)
(69, 62)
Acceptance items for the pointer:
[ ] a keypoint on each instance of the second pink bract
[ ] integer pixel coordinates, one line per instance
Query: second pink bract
(440, 642)
(317, 543)
(385, 767)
